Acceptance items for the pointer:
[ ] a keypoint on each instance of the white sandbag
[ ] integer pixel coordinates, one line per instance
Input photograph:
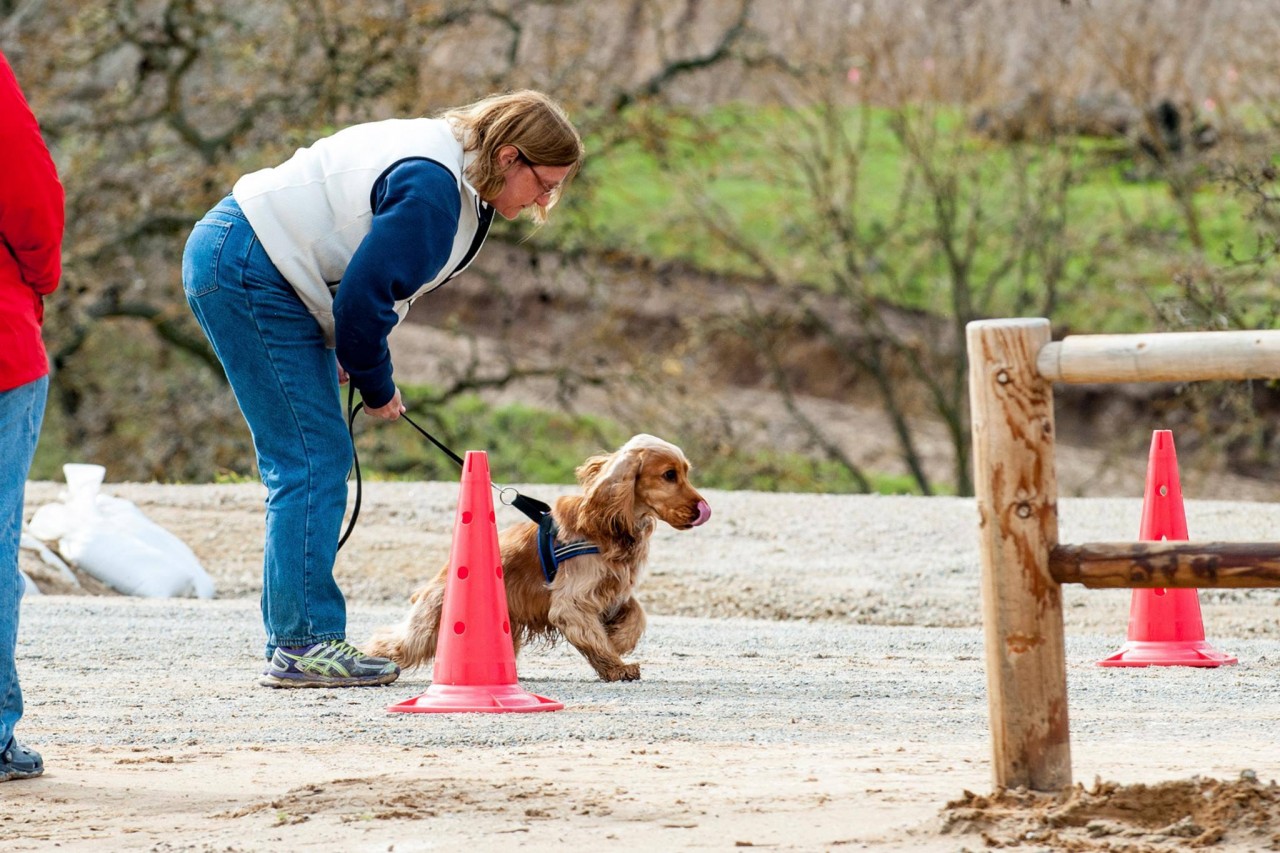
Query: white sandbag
(124, 517)
(61, 571)
(50, 522)
(124, 563)
(112, 540)
(28, 585)
(75, 506)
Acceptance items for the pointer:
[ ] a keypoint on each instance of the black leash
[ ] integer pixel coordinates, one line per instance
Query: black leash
(535, 509)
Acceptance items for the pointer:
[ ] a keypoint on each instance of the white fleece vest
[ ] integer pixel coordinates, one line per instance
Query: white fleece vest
(311, 212)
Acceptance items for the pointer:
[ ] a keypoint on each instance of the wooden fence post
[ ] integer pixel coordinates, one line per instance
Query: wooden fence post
(1011, 407)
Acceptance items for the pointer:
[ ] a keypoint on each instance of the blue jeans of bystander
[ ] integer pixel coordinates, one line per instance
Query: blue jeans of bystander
(21, 413)
(286, 382)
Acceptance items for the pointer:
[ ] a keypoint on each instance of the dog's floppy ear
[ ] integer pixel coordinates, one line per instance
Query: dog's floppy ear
(589, 470)
(611, 489)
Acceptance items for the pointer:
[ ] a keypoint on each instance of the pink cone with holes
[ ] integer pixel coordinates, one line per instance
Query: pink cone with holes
(475, 664)
(1165, 628)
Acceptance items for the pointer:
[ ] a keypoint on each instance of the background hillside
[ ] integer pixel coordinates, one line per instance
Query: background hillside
(789, 212)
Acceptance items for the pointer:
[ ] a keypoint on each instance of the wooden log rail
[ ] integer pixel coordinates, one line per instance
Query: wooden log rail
(1129, 565)
(1161, 357)
(1012, 367)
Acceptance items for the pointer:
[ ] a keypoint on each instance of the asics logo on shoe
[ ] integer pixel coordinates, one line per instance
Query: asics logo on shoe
(332, 663)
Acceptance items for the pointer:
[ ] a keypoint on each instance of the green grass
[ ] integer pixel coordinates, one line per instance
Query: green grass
(640, 196)
(525, 445)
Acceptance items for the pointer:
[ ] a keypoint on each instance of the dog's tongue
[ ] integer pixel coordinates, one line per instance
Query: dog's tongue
(704, 513)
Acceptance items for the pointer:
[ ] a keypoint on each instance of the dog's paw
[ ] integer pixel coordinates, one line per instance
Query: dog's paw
(625, 672)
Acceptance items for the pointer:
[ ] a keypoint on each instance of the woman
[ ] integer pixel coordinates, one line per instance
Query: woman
(298, 277)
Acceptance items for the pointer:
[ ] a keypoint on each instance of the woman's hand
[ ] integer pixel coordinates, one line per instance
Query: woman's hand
(389, 412)
(343, 376)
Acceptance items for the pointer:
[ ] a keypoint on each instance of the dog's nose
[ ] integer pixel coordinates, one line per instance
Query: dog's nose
(704, 513)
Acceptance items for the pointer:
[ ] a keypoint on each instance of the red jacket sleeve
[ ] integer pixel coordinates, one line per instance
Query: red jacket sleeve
(31, 198)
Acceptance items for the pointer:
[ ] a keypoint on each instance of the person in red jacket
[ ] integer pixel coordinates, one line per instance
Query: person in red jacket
(31, 223)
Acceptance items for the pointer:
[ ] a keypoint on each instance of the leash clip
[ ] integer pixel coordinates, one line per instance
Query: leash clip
(507, 495)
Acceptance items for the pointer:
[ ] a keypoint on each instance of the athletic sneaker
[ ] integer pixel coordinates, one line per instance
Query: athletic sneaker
(18, 762)
(332, 663)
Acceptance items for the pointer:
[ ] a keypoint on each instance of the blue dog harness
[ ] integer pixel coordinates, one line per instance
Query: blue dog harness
(552, 553)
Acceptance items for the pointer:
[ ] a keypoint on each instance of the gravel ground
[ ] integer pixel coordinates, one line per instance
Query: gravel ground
(706, 681)
(830, 643)
(867, 560)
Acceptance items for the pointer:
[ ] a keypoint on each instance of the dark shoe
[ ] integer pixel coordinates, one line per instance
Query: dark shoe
(18, 762)
(333, 663)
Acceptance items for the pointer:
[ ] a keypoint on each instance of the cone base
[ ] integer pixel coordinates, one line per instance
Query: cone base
(475, 698)
(1167, 653)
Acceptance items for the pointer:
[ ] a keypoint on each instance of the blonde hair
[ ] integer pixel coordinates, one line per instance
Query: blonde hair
(531, 122)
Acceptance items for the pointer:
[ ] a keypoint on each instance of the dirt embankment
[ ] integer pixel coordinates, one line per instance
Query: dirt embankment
(674, 358)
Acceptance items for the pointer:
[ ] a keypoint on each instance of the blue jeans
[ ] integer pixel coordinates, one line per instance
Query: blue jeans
(286, 382)
(21, 413)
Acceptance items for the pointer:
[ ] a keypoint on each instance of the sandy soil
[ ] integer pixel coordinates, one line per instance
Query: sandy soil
(812, 681)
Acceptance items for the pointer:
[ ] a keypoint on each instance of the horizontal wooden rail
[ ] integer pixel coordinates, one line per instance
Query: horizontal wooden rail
(1207, 565)
(1161, 357)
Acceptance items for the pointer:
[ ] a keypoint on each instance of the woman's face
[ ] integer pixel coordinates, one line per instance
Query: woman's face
(526, 184)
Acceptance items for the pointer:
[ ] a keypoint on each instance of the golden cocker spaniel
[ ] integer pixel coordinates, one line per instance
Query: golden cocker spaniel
(602, 538)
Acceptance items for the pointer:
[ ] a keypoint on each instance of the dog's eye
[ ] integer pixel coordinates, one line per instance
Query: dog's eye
(670, 476)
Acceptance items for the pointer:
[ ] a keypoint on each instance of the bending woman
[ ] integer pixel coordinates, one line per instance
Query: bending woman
(297, 278)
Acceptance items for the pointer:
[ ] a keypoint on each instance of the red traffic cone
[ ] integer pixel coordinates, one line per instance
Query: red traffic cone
(1165, 628)
(475, 665)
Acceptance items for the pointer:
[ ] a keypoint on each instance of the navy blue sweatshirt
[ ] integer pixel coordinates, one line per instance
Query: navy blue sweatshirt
(415, 218)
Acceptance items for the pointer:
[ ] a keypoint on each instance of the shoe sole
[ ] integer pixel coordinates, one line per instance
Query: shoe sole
(11, 775)
(312, 681)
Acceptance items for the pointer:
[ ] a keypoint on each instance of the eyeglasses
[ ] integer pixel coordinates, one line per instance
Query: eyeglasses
(545, 187)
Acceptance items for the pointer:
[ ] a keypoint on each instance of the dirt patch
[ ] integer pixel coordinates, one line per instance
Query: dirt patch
(1177, 815)
(373, 798)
